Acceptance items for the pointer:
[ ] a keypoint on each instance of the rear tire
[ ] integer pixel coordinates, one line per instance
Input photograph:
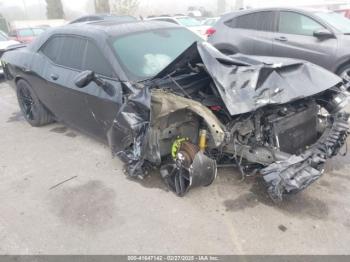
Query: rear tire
(32, 109)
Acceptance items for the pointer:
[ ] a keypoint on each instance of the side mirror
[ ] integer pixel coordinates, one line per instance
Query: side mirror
(86, 77)
(323, 33)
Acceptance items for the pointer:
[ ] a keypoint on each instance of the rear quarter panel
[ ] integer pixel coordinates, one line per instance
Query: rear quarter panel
(14, 63)
(231, 39)
(25, 64)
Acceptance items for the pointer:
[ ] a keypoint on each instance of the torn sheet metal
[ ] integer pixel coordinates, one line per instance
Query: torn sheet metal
(163, 107)
(163, 103)
(297, 172)
(127, 136)
(247, 83)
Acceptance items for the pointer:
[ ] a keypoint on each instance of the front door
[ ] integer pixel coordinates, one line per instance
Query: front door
(89, 109)
(294, 38)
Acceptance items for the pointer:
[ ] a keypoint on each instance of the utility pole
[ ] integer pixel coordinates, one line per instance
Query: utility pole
(25, 8)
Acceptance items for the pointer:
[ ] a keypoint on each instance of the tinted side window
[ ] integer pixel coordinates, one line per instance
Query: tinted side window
(66, 51)
(80, 20)
(262, 21)
(297, 24)
(72, 52)
(52, 48)
(95, 61)
(266, 21)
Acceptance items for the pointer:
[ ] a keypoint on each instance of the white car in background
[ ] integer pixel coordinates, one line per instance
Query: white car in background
(5, 42)
(191, 23)
(210, 21)
(208, 25)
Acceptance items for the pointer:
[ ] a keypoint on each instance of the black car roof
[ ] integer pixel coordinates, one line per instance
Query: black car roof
(115, 28)
(101, 29)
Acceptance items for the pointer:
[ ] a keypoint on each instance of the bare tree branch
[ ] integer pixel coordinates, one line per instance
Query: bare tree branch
(125, 7)
(54, 9)
(102, 6)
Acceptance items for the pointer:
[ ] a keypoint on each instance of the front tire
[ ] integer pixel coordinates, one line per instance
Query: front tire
(32, 109)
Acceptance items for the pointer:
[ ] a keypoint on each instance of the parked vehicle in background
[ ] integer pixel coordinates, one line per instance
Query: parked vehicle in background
(4, 35)
(5, 42)
(321, 37)
(208, 25)
(100, 17)
(25, 35)
(198, 12)
(4, 25)
(36, 23)
(210, 21)
(344, 12)
(190, 22)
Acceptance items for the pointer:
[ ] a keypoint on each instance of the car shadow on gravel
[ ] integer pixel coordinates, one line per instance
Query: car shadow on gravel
(16, 117)
(152, 180)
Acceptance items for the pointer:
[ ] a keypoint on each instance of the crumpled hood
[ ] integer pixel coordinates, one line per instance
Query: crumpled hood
(247, 83)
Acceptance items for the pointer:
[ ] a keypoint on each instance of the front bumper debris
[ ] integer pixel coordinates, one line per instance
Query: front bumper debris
(299, 171)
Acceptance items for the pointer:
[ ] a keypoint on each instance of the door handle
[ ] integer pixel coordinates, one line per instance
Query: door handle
(54, 76)
(281, 38)
(25, 69)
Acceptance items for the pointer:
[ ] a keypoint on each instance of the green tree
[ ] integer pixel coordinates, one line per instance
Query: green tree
(102, 6)
(125, 7)
(54, 9)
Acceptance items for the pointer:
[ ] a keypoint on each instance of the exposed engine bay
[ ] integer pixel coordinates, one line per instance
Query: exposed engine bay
(293, 139)
(280, 121)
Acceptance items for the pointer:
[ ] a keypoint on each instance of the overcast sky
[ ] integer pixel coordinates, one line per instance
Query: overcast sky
(35, 9)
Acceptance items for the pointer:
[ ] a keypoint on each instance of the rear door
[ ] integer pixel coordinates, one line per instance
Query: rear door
(252, 33)
(295, 39)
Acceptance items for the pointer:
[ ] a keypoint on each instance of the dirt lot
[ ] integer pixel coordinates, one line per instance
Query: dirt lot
(100, 211)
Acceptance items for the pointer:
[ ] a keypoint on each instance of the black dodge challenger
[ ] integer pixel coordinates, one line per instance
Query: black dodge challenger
(161, 97)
